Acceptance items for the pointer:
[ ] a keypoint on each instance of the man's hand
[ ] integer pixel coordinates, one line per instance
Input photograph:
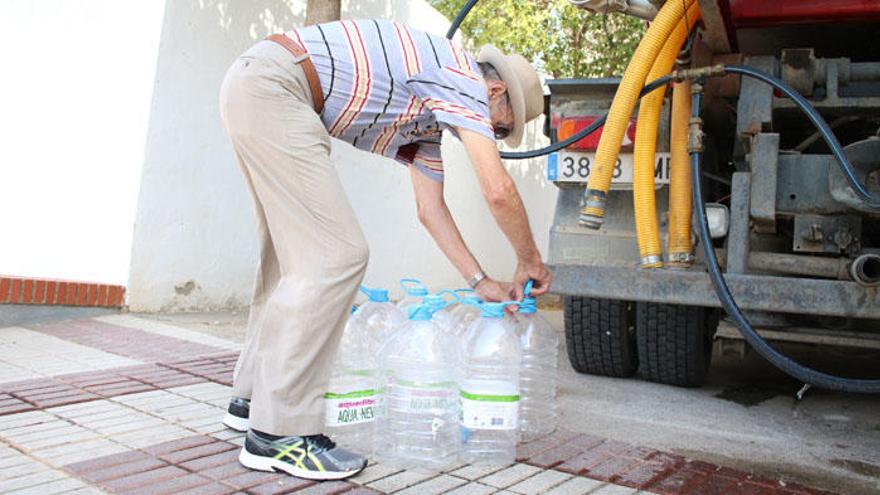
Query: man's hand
(493, 291)
(535, 271)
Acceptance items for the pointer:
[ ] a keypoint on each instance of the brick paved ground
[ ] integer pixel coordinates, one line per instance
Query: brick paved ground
(117, 404)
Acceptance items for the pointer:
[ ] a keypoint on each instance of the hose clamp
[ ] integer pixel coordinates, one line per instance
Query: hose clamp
(652, 261)
(695, 135)
(593, 211)
(698, 73)
(591, 221)
(681, 259)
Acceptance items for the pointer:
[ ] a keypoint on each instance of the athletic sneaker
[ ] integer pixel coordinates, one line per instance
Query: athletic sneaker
(313, 457)
(237, 414)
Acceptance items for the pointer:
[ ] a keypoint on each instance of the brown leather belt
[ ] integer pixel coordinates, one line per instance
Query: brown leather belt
(307, 66)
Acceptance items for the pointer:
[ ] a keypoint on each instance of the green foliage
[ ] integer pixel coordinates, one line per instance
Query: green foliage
(560, 39)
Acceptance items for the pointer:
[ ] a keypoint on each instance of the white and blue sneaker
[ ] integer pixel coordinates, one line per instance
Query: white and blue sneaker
(313, 457)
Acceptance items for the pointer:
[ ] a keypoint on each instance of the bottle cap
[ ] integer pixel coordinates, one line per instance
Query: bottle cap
(375, 295)
(413, 287)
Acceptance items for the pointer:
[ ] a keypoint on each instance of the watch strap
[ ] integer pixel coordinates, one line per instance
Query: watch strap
(476, 279)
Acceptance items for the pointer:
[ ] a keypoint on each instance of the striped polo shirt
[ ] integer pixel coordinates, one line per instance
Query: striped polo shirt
(392, 90)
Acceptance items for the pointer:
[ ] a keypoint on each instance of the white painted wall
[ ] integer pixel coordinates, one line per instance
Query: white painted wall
(400, 247)
(194, 242)
(75, 92)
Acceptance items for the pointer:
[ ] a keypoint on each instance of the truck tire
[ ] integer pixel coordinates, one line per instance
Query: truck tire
(599, 336)
(675, 342)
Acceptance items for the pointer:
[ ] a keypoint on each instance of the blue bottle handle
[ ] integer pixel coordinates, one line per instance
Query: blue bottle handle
(454, 293)
(419, 312)
(496, 309)
(413, 286)
(375, 295)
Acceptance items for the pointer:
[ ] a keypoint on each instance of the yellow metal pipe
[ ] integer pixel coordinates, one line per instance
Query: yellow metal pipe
(679, 243)
(622, 107)
(644, 200)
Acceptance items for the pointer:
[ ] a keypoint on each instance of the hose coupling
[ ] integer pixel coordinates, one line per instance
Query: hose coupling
(593, 211)
(651, 261)
(698, 73)
(680, 260)
(865, 270)
(695, 135)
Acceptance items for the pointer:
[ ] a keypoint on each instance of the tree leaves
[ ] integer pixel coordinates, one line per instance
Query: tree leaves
(560, 39)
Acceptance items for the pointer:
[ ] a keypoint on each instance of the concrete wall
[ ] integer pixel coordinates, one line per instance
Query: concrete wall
(75, 94)
(194, 242)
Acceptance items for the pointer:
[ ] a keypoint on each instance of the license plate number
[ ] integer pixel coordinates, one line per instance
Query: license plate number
(572, 166)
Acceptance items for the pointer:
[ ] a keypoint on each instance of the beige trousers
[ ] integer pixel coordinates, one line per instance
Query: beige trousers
(312, 251)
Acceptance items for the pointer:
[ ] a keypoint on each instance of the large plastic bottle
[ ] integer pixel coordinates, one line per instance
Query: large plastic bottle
(413, 293)
(440, 315)
(537, 379)
(490, 388)
(466, 312)
(417, 426)
(351, 400)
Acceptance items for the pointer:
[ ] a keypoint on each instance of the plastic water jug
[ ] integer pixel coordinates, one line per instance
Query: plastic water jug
(465, 312)
(489, 391)
(440, 315)
(537, 379)
(418, 423)
(413, 293)
(351, 400)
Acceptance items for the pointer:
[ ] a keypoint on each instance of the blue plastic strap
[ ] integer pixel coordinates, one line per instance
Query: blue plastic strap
(435, 302)
(413, 287)
(468, 296)
(375, 295)
(528, 288)
(496, 309)
(419, 312)
(472, 301)
(528, 305)
(455, 297)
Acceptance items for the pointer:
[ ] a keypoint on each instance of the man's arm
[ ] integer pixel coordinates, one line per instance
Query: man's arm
(507, 207)
(438, 221)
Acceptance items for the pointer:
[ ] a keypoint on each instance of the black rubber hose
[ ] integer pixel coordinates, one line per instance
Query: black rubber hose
(784, 363)
(818, 121)
(522, 155)
(459, 18)
(586, 131)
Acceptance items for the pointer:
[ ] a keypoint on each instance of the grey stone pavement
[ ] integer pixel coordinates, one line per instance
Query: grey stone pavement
(123, 403)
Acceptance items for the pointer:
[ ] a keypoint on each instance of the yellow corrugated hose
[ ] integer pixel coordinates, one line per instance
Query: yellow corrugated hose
(622, 107)
(679, 243)
(644, 202)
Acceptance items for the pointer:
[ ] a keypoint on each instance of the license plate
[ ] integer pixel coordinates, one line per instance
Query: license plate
(573, 166)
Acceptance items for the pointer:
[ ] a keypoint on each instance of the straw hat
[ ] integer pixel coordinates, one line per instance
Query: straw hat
(523, 86)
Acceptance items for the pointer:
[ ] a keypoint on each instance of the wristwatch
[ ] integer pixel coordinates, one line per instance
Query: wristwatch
(474, 281)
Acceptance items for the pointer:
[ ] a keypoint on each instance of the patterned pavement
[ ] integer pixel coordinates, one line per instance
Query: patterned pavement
(119, 404)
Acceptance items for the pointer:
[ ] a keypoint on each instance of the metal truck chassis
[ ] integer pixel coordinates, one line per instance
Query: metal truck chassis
(691, 287)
